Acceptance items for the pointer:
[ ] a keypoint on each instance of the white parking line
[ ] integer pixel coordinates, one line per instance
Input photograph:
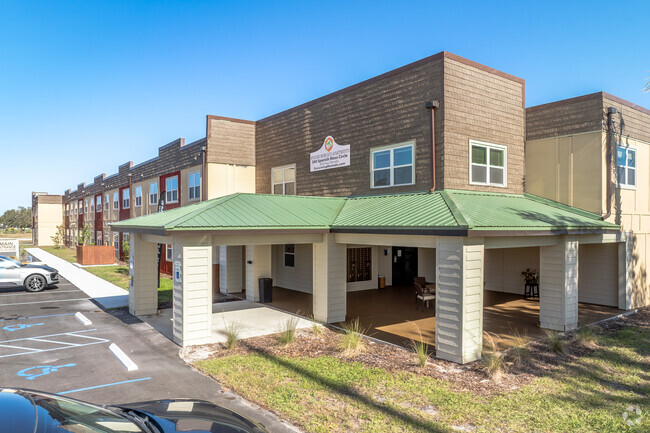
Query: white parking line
(124, 359)
(44, 302)
(23, 294)
(44, 339)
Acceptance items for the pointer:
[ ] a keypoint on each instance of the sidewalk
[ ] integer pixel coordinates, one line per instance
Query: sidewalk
(107, 294)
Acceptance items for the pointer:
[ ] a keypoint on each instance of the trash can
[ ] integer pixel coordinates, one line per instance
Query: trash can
(266, 290)
(381, 281)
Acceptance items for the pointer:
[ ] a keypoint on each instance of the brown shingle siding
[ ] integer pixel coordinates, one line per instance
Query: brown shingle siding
(571, 116)
(483, 106)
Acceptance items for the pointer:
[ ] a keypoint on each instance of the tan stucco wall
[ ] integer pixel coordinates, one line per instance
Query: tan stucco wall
(49, 216)
(224, 179)
(568, 169)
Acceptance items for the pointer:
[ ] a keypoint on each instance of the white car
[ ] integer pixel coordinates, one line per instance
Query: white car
(33, 277)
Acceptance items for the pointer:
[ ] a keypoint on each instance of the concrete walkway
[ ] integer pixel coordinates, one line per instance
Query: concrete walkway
(251, 319)
(108, 295)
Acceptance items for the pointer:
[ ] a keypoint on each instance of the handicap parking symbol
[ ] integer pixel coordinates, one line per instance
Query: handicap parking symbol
(41, 370)
(12, 328)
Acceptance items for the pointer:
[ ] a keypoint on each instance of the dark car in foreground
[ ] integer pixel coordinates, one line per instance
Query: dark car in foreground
(28, 411)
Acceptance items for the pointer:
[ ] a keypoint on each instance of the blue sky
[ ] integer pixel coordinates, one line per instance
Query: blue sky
(88, 85)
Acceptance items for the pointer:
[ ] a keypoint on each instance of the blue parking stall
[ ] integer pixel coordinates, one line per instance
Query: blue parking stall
(20, 326)
(103, 386)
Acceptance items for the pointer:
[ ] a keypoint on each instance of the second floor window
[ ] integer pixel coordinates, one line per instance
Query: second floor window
(194, 182)
(488, 164)
(392, 166)
(153, 193)
(126, 199)
(283, 180)
(626, 166)
(116, 202)
(138, 196)
(171, 186)
(86, 207)
(106, 202)
(99, 203)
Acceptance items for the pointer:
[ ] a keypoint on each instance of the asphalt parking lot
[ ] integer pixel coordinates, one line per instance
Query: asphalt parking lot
(45, 344)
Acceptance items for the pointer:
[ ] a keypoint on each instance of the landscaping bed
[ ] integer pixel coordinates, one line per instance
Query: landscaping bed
(587, 385)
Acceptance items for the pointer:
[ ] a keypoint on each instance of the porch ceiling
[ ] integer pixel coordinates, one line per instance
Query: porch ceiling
(447, 212)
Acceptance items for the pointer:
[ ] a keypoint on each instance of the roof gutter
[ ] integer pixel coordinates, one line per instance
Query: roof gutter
(431, 106)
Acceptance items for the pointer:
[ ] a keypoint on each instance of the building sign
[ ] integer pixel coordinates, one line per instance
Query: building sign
(330, 155)
(177, 272)
(9, 247)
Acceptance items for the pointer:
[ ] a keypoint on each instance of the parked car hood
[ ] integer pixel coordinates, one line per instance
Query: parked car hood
(45, 267)
(187, 415)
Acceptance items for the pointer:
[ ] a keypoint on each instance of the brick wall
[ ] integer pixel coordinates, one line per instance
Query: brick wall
(484, 105)
(384, 110)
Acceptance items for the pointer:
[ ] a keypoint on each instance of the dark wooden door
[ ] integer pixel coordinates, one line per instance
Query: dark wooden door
(405, 265)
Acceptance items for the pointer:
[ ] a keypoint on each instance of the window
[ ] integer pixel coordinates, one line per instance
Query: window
(106, 202)
(107, 239)
(153, 193)
(487, 164)
(289, 255)
(99, 238)
(115, 201)
(194, 181)
(359, 264)
(99, 203)
(283, 180)
(392, 166)
(169, 252)
(92, 205)
(126, 198)
(138, 196)
(171, 186)
(626, 166)
(86, 207)
(116, 244)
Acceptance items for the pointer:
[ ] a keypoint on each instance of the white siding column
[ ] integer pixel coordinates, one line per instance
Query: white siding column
(625, 271)
(192, 314)
(459, 298)
(329, 282)
(143, 276)
(258, 265)
(230, 269)
(558, 285)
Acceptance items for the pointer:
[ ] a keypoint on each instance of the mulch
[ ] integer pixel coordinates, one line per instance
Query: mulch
(470, 377)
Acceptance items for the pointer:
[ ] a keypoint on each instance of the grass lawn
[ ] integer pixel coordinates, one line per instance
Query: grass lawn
(586, 393)
(118, 275)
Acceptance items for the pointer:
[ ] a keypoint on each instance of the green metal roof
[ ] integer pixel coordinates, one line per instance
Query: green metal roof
(443, 212)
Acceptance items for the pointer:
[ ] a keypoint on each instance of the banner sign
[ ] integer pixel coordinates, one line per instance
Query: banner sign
(10, 247)
(330, 155)
(161, 208)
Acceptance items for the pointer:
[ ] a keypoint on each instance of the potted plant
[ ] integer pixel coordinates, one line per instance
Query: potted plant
(531, 277)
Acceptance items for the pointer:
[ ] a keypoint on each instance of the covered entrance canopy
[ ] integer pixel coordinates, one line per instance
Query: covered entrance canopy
(459, 225)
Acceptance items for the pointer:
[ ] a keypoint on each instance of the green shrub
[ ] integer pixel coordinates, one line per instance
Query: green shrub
(352, 339)
(233, 330)
(288, 332)
(554, 340)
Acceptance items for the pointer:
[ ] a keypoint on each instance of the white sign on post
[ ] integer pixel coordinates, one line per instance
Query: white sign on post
(330, 155)
(10, 247)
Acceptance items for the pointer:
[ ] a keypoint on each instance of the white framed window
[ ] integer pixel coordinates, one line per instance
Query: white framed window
(116, 202)
(106, 202)
(392, 165)
(116, 244)
(107, 239)
(289, 255)
(153, 193)
(488, 164)
(138, 196)
(99, 203)
(126, 198)
(171, 186)
(169, 252)
(92, 205)
(283, 180)
(626, 166)
(194, 182)
(86, 207)
(99, 238)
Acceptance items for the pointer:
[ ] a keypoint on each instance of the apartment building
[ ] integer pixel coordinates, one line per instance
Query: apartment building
(429, 170)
